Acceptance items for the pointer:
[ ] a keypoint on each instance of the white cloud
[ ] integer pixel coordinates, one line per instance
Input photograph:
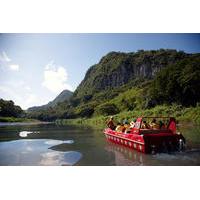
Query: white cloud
(55, 78)
(8, 93)
(5, 62)
(4, 57)
(27, 88)
(7, 59)
(20, 95)
(14, 67)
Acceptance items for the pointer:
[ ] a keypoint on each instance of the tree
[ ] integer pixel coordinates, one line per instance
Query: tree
(178, 83)
(8, 109)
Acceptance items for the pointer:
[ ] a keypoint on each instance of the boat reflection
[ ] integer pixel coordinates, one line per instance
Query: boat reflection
(124, 155)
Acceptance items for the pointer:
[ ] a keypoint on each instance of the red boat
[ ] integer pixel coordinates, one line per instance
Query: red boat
(149, 140)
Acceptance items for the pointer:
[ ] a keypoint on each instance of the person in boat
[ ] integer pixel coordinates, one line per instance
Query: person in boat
(145, 125)
(161, 125)
(110, 124)
(125, 121)
(120, 127)
(127, 127)
(154, 124)
(132, 124)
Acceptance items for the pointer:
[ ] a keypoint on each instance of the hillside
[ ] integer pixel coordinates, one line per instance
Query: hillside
(63, 96)
(118, 82)
(117, 69)
(132, 82)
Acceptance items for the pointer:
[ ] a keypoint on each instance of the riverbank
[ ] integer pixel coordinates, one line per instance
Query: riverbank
(14, 119)
(181, 114)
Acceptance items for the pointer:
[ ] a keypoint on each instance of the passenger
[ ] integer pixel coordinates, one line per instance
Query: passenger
(127, 127)
(154, 124)
(132, 124)
(125, 121)
(161, 125)
(110, 124)
(120, 127)
(145, 125)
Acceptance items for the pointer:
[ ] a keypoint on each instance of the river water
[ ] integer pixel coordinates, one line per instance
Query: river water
(51, 144)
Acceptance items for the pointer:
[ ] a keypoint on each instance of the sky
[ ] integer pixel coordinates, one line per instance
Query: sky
(35, 68)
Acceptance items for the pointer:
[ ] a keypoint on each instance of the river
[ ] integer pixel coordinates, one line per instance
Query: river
(51, 144)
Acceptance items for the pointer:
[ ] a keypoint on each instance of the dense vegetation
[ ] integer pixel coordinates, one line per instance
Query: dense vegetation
(179, 112)
(179, 83)
(132, 83)
(9, 109)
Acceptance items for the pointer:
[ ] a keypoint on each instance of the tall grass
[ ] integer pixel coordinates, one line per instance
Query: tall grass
(191, 114)
(14, 119)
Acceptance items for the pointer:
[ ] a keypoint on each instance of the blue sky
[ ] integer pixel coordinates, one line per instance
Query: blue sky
(35, 68)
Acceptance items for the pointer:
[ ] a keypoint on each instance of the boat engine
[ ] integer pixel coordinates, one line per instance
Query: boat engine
(181, 145)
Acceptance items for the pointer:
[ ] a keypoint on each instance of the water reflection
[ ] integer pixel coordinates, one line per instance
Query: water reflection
(124, 155)
(60, 158)
(49, 144)
(36, 152)
(26, 133)
(53, 142)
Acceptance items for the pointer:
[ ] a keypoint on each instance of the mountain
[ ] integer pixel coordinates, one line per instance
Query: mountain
(63, 96)
(126, 81)
(117, 69)
(132, 81)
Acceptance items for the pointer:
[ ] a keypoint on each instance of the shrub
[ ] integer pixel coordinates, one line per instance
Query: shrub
(107, 109)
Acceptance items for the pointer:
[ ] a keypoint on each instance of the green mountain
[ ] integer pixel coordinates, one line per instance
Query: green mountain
(133, 81)
(63, 96)
(117, 69)
(121, 73)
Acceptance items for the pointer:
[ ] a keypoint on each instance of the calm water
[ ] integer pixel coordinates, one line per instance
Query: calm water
(50, 144)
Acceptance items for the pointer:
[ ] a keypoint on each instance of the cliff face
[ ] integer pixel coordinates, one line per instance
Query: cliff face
(116, 69)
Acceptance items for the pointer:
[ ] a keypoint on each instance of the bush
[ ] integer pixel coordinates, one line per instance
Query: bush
(86, 112)
(106, 109)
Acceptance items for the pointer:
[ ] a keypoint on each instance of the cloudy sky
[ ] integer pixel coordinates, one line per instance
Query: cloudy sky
(35, 68)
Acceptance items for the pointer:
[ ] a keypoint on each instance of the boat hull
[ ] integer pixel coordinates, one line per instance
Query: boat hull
(139, 145)
(148, 143)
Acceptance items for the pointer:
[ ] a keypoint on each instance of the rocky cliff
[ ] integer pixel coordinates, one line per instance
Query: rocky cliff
(117, 69)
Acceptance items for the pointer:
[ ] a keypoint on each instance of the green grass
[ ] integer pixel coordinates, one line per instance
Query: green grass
(13, 119)
(182, 114)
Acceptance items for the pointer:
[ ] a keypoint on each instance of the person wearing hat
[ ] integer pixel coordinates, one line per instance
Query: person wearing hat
(120, 127)
(132, 124)
(154, 124)
(110, 123)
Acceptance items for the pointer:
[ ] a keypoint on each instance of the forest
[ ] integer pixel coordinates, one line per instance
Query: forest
(120, 83)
